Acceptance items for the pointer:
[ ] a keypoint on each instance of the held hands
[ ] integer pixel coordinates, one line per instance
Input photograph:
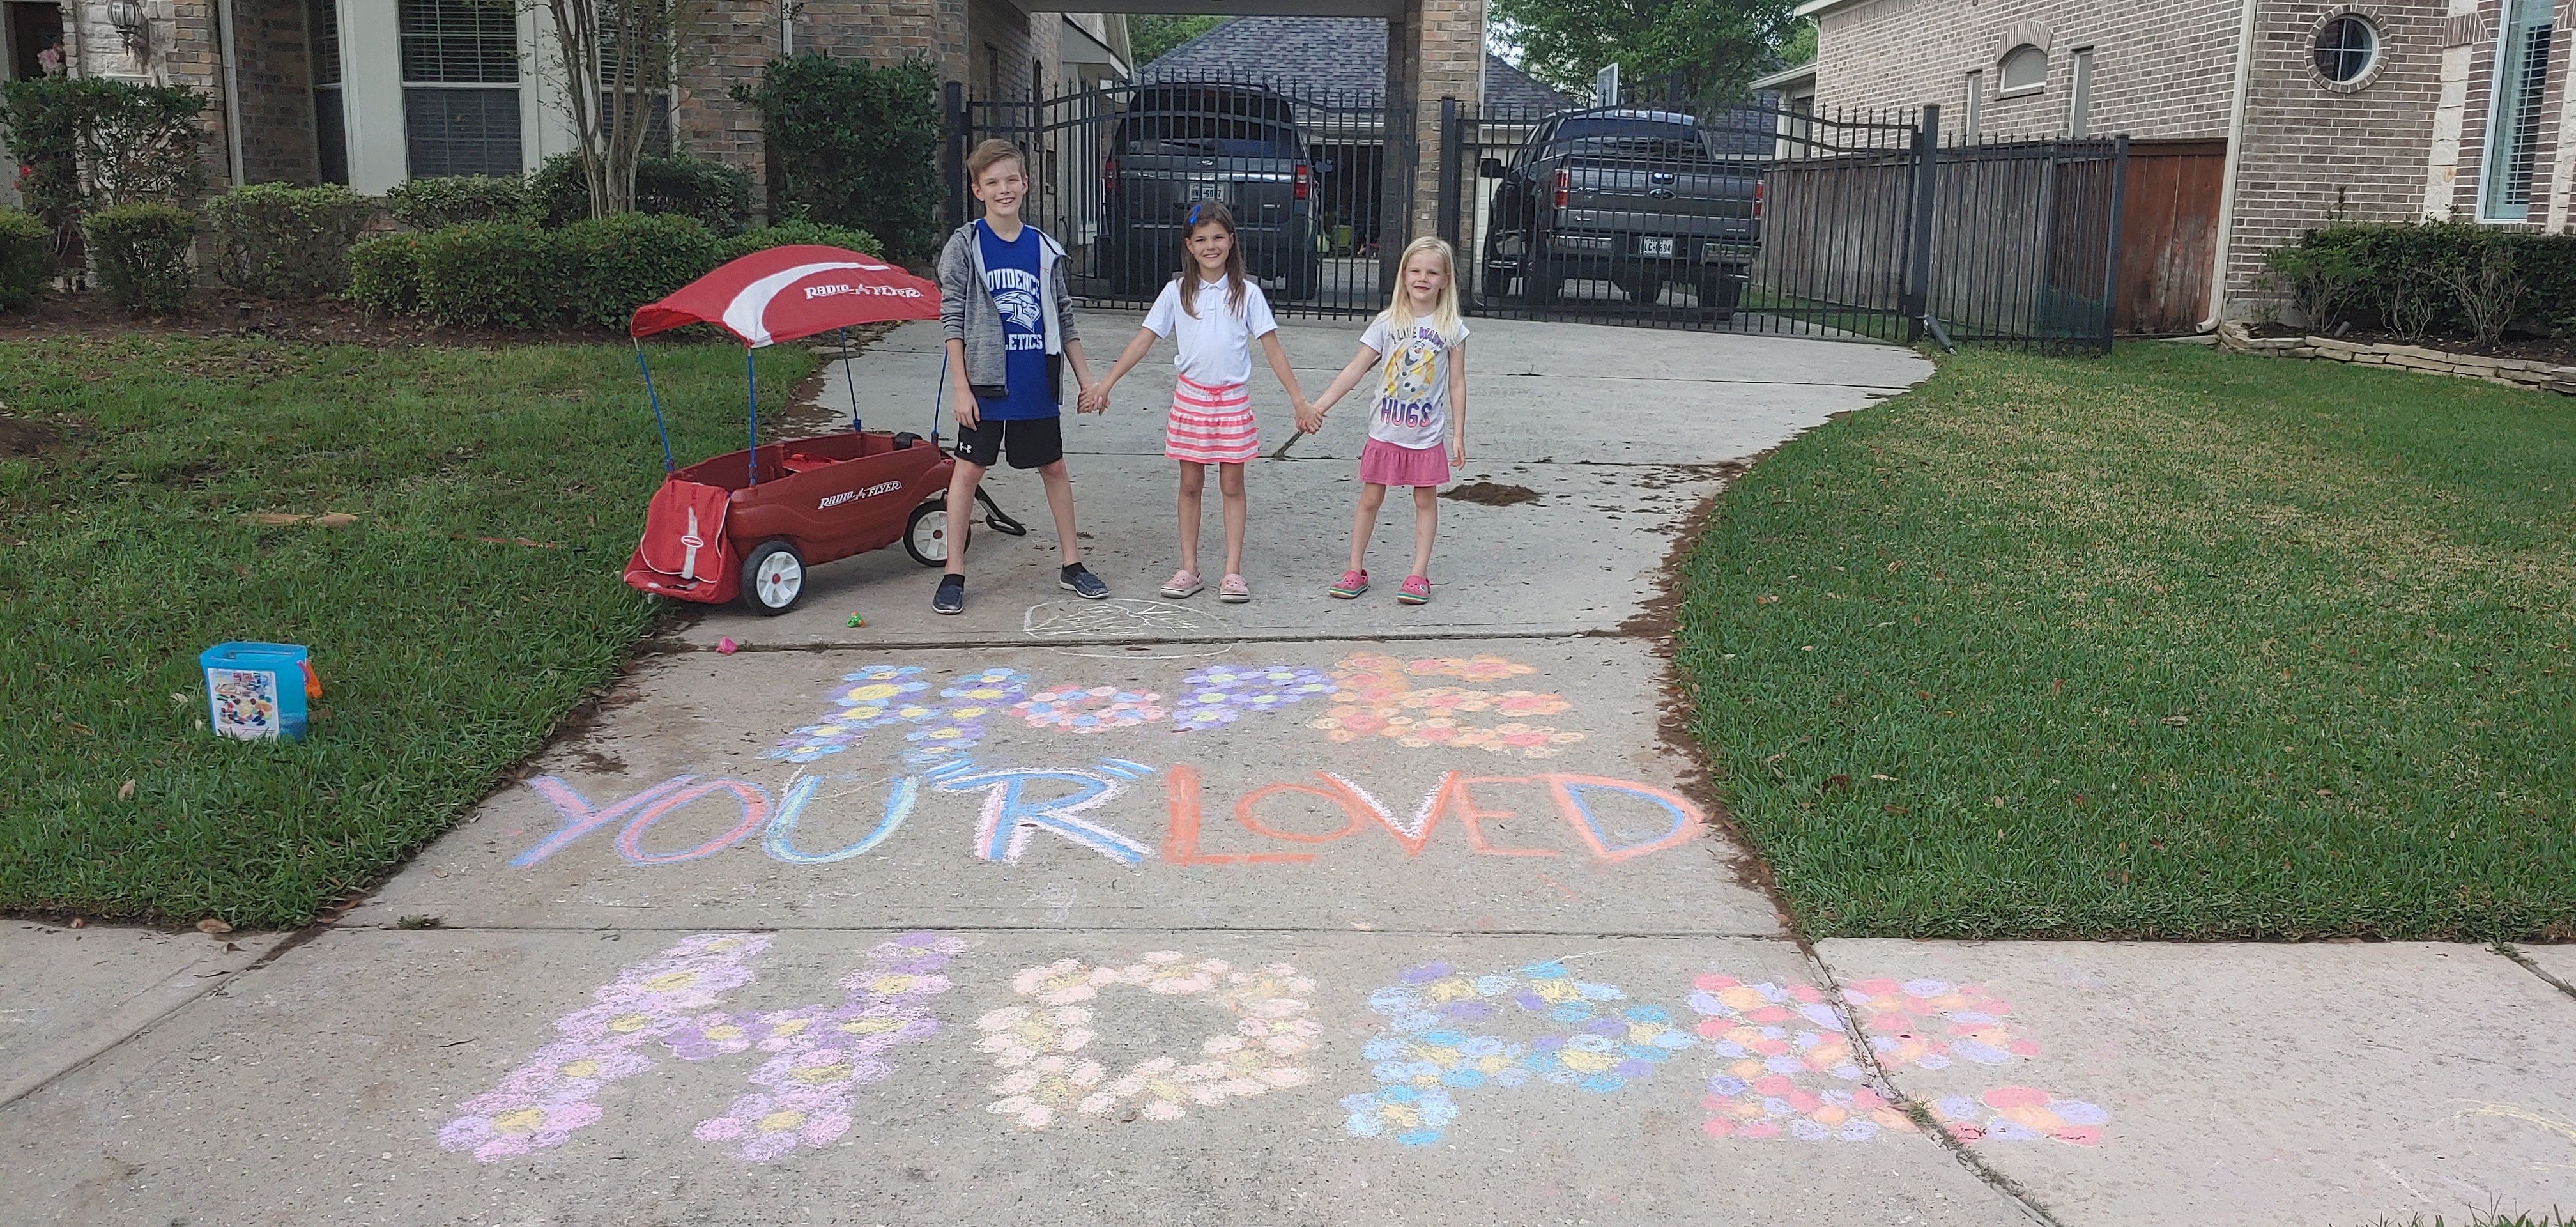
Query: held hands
(1094, 399)
(1310, 420)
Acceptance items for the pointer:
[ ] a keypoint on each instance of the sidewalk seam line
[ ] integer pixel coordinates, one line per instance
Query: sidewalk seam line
(678, 648)
(2511, 951)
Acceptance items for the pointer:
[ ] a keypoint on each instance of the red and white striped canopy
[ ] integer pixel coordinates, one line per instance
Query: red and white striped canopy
(786, 293)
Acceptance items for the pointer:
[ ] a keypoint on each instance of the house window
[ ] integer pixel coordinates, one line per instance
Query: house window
(460, 67)
(35, 41)
(1973, 113)
(2513, 119)
(330, 122)
(651, 103)
(2025, 71)
(2345, 48)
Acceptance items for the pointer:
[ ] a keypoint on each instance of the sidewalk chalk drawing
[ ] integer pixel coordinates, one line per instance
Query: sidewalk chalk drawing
(1371, 695)
(1778, 1044)
(542, 1103)
(1045, 1073)
(888, 696)
(818, 1055)
(1374, 696)
(1610, 820)
(1448, 1032)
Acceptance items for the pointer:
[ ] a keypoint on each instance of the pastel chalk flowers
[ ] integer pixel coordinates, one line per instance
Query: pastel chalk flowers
(1039, 1048)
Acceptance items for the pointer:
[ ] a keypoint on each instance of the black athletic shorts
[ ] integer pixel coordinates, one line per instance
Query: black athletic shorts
(1032, 443)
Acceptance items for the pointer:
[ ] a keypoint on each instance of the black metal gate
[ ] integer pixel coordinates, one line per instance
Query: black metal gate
(1763, 218)
(1116, 171)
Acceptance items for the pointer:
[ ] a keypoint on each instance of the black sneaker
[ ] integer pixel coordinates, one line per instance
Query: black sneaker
(951, 597)
(1081, 582)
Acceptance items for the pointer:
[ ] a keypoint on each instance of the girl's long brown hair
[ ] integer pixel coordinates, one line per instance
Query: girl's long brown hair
(1212, 213)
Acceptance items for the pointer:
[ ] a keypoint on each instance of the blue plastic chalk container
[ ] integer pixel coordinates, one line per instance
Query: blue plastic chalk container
(257, 690)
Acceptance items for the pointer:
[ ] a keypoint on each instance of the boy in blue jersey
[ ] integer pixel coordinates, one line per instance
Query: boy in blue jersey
(1010, 331)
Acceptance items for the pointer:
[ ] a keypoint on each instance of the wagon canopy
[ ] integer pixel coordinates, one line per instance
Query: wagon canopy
(786, 293)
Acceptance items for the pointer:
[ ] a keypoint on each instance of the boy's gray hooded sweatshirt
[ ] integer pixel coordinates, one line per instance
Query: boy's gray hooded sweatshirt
(967, 313)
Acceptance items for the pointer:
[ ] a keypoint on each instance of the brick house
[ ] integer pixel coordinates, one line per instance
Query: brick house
(2379, 110)
(371, 92)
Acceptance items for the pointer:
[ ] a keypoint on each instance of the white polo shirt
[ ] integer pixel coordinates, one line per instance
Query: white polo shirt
(1216, 344)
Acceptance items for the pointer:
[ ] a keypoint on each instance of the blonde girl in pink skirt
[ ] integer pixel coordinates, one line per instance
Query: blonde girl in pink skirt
(1417, 349)
(1216, 312)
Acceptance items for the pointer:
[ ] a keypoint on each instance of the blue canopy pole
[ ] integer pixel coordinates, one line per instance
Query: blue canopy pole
(656, 398)
(751, 379)
(850, 377)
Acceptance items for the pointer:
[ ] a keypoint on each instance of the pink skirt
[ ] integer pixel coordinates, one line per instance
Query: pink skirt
(1384, 464)
(1211, 425)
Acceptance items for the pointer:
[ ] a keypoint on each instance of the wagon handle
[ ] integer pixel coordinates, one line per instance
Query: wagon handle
(939, 396)
(850, 376)
(656, 398)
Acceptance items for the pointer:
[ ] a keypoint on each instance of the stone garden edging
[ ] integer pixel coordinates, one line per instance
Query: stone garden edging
(2509, 372)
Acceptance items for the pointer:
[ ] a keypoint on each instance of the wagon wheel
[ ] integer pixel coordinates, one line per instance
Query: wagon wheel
(772, 578)
(925, 535)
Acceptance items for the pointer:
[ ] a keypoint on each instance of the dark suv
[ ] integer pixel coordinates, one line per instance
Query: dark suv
(1177, 145)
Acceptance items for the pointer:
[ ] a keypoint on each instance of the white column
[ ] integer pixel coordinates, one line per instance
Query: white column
(371, 94)
(544, 123)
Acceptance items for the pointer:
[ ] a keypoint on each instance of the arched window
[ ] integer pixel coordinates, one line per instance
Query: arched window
(2345, 48)
(2025, 71)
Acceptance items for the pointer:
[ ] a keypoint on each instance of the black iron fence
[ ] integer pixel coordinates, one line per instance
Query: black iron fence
(1759, 217)
(1117, 170)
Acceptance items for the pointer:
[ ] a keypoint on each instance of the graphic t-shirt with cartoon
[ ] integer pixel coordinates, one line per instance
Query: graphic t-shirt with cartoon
(1011, 276)
(1412, 409)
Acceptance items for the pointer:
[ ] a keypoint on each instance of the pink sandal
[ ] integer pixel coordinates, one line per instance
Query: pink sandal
(1416, 591)
(1350, 585)
(1233, 591)
(1182, 585)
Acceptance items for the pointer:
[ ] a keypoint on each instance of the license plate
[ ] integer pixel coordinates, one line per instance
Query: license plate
(1211, 189)
(1654, 247)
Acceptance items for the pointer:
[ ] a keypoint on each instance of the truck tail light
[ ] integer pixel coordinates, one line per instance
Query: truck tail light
(1757, 200)
(1564, 186)
(1302, 182)
(1109, 176)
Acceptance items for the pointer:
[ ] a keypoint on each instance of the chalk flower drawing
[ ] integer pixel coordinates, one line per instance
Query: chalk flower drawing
(822, 1054)
(1374, 696)
(885, 696)
(542, 1103)
(1218, 696)
(1776, 1038)
(1039, 1047)
(1441, 1036)
(1074, 709)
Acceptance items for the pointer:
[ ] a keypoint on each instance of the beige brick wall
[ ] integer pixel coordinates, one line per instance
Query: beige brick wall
(1439, 45)
(2157, 73)
(2314, 152)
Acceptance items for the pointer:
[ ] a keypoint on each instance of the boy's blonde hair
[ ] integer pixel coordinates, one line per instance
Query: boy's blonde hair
(1444, 315)
(990, 152)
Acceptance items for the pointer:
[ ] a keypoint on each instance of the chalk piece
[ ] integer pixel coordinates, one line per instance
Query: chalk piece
(726, 645)
(856, 620)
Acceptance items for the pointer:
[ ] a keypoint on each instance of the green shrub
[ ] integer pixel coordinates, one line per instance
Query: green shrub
(508, 273)
(142, 254)
(798, 230)
(384, 274)
(717, 195)
(2421, 279)
(26, 259)
(612, 265)
(854, 144)
(456, 200)
(287, 241)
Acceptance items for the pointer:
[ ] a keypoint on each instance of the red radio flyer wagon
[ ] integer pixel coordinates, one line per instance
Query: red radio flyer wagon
(749, 523)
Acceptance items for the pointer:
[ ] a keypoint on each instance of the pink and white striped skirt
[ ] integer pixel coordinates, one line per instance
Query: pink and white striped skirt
(1211, 425)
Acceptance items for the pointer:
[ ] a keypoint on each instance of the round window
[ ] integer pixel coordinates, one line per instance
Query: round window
(2345, 47)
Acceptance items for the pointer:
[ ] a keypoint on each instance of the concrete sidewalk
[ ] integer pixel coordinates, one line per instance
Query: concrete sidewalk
(1294, 912)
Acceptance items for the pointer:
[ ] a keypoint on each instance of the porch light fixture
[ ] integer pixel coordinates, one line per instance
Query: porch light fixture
(127, 17)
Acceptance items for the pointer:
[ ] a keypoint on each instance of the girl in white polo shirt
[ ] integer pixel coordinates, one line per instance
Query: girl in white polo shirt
(1215, 312)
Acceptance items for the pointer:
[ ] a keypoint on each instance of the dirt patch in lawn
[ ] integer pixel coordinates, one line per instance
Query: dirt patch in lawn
(1491, 494)
(27, 439)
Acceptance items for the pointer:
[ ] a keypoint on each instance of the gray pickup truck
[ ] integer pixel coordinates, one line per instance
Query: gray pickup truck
(1637, 198)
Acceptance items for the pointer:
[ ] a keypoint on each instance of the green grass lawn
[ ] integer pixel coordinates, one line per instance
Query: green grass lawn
(2171, 644)
(126, 549)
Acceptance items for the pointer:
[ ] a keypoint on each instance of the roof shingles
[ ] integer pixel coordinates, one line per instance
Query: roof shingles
(1344, 57)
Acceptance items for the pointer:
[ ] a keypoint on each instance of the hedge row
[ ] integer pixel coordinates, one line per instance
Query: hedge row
(26, 259)
(718, 196)
(2431, 279)
(591, 273)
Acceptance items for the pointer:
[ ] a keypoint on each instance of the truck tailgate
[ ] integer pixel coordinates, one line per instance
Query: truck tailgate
(1694, 201)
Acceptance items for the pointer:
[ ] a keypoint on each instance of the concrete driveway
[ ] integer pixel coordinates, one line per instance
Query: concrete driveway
(1300, 911)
